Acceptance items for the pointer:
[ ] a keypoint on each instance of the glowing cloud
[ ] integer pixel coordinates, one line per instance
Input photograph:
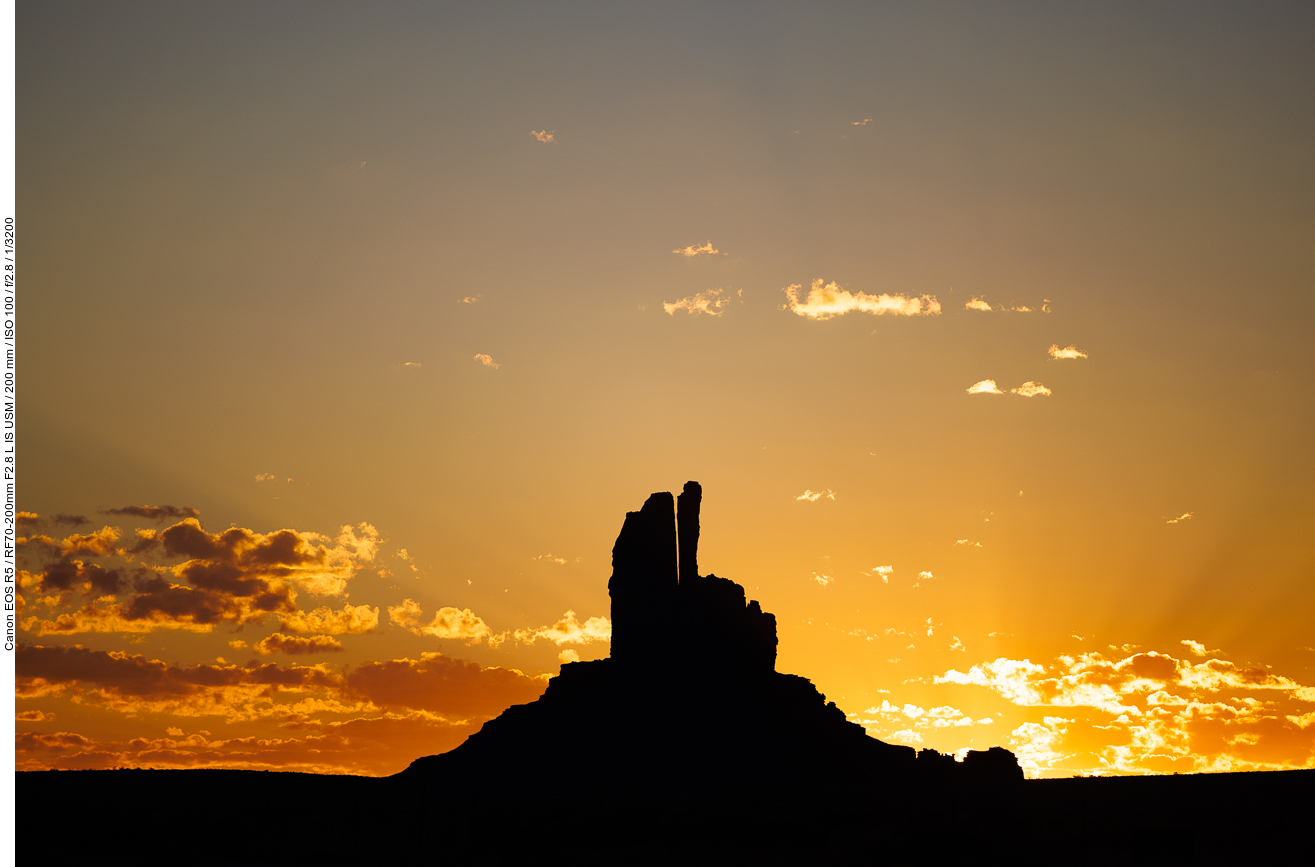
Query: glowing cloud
(986, 386)
(1185, 516)
(814, 496)
(827, 300)
(265, 477)
(883, 572)
(1066, 352)
(471, 299)
(709, 301)
(864, 122)
(976, 304)
(351, 620)
(296, 644)
(1031, 389)
(487, 360)
(459, 624)
(704, 249)
(569, 630)
(544, 135)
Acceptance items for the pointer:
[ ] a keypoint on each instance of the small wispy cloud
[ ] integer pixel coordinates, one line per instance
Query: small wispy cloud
(968, 543)
(1197, 647)
(1031, 389)
(560, 561)
(265, 477)
(924, 576)
(986, 386)
(705, 249)
(882, 572)
(1066, 352)
(825, 300)
(1185, 516)
(411, 365)
(977, 304)
(864, 122)
(822, 579)
(814, 496)
(544, 135)
(709, 301)
(471, 299)
(487, 360)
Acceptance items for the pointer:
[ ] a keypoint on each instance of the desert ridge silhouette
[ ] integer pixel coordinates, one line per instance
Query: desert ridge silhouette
(689, 698)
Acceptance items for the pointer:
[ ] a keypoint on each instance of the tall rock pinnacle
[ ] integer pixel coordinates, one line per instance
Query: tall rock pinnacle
(643, 582)
(687, 528)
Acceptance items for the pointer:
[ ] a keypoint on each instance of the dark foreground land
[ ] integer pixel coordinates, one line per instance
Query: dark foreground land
(249, 817)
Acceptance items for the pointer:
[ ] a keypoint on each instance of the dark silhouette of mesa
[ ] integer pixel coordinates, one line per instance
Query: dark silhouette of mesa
(685, 743)
(690, 696)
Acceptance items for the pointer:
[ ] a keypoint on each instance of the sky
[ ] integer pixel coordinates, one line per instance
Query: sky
(350, 332)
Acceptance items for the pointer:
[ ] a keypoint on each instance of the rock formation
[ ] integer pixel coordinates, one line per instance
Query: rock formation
(690, 696)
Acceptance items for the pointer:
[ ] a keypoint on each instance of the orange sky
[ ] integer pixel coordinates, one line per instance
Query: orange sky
(985, 331)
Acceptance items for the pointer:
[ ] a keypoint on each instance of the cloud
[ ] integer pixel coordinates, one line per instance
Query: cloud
(459, 624)
(1031, 389)
(709, 301)
(25, 521)
(265, 477)
(977, 304)
(155, 513)
(966, 542)
(32, 716)
(883, 572)
(471, 299)
(1066, 352)
(705, 249)
(487, 360)
(411, 365)
(864, 122)
(814, 496)
(560, 561)
(822, 579)
(569, 630)
(1185, 516)
(297, 644)
(544, 135)
(568, 655)
(826, 301)
(406, 558)
(986, 386)
(351, 620)
(236, 576)
(443, 685)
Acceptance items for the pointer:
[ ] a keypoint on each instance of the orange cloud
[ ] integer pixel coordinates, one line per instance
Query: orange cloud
(1031, 389)
(705, 249)
(569, 630)
(1185, 516)
(296, 644)
(487, 360)
(156, 513)
(986, 386)
(460, 624)
(864, 122)
(351, 620)
(814, 496)
(709, 301)
(977, 304)
(544, 135)
(826, 301)
(1161, 713)
(437, 683)
(1066, 352)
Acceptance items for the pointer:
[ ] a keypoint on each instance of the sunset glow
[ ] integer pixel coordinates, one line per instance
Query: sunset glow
(336, 385)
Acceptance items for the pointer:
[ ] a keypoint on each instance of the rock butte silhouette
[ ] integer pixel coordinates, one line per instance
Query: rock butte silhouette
(690, 696)
(685, 744)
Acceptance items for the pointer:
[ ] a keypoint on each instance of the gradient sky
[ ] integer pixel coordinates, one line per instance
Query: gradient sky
(472, 281)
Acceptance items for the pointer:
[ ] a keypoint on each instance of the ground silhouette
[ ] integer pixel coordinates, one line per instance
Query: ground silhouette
(685, 744)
